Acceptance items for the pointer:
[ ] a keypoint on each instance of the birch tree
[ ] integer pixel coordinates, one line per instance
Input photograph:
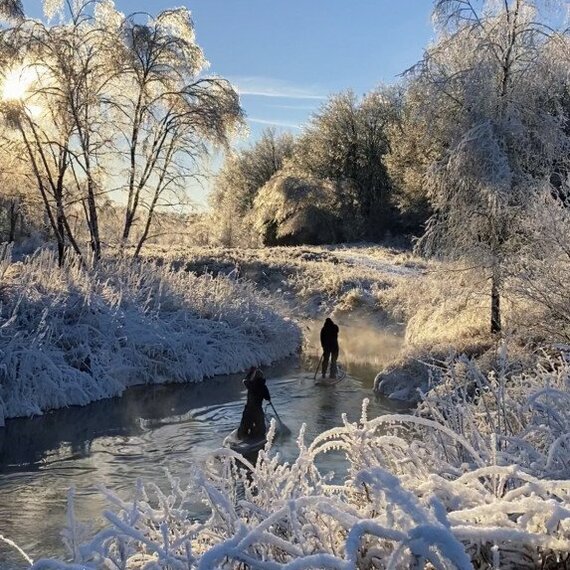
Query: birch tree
(103, 104)
(38, 133)
(492, 85)
(168, 113)
(64, 74)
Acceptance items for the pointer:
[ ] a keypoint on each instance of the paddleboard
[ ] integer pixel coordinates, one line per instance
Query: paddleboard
(249, 446)
(244, 446)
(341, 375)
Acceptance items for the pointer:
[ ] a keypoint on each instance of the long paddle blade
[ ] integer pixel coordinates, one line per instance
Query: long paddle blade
(282, 427)
(318, 366)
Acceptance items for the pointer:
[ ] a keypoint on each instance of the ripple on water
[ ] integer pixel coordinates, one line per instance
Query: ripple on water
(141, 435)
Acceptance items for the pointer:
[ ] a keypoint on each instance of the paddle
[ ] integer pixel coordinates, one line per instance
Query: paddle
(284, 429)
(318, 366)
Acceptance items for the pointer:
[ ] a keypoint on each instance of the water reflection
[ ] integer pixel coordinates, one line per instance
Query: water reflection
(150, 429)
(25, 443)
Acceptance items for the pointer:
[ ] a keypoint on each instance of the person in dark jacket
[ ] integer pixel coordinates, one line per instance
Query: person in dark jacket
(329, 342)
(252, 424)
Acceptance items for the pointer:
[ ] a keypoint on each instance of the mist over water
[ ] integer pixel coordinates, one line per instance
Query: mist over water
(363, 340)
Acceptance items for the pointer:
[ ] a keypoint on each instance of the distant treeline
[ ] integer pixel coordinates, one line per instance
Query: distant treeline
(108, 118)
(340, 180)
(454, 153)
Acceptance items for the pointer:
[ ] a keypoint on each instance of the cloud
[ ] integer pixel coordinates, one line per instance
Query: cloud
(275, 123)
(295, 107)
(269, 87)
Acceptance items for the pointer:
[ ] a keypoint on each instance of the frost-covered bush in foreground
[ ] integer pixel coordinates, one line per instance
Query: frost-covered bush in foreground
(477, 478)
(74, 335)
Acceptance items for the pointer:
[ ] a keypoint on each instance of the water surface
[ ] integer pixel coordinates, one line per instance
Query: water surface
(142, 434)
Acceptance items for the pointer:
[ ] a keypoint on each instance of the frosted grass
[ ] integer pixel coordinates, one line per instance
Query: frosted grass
(74, 335)
(478, 477)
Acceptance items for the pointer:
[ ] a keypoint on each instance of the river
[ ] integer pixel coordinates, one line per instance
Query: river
(149, 430)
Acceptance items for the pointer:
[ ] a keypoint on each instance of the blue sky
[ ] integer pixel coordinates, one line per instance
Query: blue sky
(286, 56)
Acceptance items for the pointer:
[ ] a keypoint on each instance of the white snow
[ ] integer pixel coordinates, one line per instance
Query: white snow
(77, 335)
(463, 483)
(377, 265)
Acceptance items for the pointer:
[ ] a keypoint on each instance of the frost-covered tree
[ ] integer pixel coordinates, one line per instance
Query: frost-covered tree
(20, 211)
(167, 112)
(492, 86)
(346, 142)
(61, 74)
(543, 268)
(414, 145)
(341, 151)
(292, 209)
(40, 138)
(101, 103)
(11, 9)
(241, 177)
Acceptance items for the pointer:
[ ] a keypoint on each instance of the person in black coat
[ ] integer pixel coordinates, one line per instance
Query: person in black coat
(252, 424)
(329, 342)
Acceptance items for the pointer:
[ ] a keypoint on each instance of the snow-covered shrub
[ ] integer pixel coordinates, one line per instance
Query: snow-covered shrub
(442, 306)
(510, 413)
(74, 335)
(476, 478)
(293, 208)
(542, 270)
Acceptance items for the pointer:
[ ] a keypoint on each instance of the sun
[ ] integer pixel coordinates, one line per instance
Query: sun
(17, 83)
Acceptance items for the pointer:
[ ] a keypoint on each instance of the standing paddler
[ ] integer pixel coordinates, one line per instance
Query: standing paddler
(329, 343)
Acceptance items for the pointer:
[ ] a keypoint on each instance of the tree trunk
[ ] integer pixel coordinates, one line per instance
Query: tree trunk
(147, 226)
(61, 239)
(495, 302)
(14, 214)
(129, 218)
(93, 220)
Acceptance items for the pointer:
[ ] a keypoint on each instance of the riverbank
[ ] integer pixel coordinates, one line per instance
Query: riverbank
(151, 433)
(74, 335)
(396, 311)
(464, 482)
(189, 313)
(310, 283)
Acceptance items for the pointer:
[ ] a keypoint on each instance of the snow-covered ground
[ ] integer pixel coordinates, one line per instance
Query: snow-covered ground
(396, 310)
(311, 281)
(77, 335)
(73, 336)
(366, 258)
